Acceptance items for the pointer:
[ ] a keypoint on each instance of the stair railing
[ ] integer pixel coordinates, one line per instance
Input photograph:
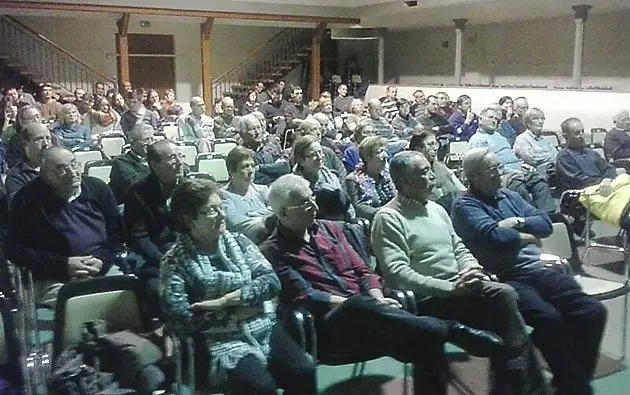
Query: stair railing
(45, 60)
(264, 62)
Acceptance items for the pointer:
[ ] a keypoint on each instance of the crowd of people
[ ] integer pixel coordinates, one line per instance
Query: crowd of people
(302, 175)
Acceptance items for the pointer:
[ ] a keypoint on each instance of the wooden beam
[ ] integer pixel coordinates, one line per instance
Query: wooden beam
(172, 12)
(316, 60)
(206, 64)
(122, 47)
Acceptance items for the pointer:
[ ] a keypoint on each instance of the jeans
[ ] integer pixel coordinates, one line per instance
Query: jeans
(533, 188)
(364, 327)
(568, 325)
(288, 367)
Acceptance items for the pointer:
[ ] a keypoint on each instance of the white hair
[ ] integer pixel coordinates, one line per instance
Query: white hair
(473, 161)
(619, 115)
(281, 190)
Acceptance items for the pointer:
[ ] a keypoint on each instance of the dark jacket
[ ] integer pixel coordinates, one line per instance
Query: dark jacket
(33, 240)
(19, 175)
(148, 223)
(127, 169)
(617, 144)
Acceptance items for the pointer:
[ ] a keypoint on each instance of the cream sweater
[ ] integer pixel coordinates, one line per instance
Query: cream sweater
(417, 248)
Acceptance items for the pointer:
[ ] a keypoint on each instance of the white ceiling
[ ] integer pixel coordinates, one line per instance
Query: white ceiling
(391, 14)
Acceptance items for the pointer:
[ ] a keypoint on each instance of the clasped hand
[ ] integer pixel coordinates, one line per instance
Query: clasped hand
(212, 305)
(470, 281)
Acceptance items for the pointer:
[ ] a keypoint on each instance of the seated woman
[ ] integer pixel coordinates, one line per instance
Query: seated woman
(103, 118)
(309, 158)
(246, 204)
(70, 132)
(370, 185)
(213, 283)
(447, 186)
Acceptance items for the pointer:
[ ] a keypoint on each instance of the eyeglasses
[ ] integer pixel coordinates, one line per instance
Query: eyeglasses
(174, 158)
(315, 154)
(493, 169)
(64, 170)
(211, 212)
(308, 204)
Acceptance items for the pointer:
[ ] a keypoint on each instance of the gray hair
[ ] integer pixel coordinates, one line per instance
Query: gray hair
(282, 188)
(242, 122)
(67, 107)
(473, 161)
(531, 114)
(619, 115)
(137, 130)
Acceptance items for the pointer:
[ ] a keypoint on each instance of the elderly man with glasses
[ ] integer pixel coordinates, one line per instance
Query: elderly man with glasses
(63, 226)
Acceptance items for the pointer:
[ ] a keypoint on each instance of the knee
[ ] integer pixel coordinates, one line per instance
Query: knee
(550, 320)
(594, 312)
(303, 375)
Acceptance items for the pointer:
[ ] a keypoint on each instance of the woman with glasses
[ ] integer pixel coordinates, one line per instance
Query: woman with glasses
(246, 204)
(214, 282)
(447, 186)
(309, 164)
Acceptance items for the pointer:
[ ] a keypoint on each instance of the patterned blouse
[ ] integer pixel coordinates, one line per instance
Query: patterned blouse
(367, 194)
(188, 276)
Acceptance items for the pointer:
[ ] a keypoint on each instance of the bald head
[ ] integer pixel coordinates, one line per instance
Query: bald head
(521, 106)
(374, 108)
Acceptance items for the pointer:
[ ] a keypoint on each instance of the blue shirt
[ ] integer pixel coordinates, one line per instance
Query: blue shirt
(498, 145)
(499, 249)
(463, 131)
(578, 169)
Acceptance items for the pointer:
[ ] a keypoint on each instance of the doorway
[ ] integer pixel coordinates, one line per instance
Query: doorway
(152, 61)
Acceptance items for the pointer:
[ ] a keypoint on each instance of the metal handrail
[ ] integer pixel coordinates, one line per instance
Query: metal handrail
(45, 59)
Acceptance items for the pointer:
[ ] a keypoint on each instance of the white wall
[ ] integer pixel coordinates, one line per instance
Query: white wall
(526, 52)
(93, 41)
(595, 109)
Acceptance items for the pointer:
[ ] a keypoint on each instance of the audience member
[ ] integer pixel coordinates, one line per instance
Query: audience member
(520, 108)
(48, 106)
(433, 119)
(197, 126)
(273, 110)
(418, 107)
(268, 155)
(370, 185)
(119, 104)
(503, 232)
(78, 222)
(225, 122)
(11, 136)
(312, 127)
(532, 147)
(463, 120)
(70, 133)
(147, 218)
(446, 185)
(382, 127)
(99, 90)
(579, 166)
(137, 113)
(131, 167)
(417, 249)
(34, 138)
(353, 118)
(504, 129)
(342, 102)
(167, 102)
(154, 104)
(212, 279)
(246, 204)
(103, 118)
(445, 108)
(320, 270)
(251, 104)
(389, 103)
(262, 93)
(617, 141)
(295, 112)
(520, 177)
(351, 157)
(404, 124)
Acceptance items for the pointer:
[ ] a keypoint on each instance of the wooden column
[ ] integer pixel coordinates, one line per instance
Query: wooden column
(581, 14)
(206, 64)
(316, 60)
(122, 46)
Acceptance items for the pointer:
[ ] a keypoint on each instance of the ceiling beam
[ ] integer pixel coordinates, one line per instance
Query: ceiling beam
(72, 7)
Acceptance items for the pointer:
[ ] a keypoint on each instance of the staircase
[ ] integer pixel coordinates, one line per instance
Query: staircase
(35, 58)
(269, 63)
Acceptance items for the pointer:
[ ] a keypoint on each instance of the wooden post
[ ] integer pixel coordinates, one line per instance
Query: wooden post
(122, 46)
(316, 60)
(206, 64)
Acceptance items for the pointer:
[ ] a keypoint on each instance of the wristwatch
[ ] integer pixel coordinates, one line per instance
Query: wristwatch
(520, 222)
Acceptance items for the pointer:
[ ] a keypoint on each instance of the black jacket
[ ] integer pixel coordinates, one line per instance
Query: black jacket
(127, 169)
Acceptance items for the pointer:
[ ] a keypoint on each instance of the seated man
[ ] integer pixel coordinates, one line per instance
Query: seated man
(197, 126)
(35, 138)
(49, 107)
(382, 127)
(295, 112)
(137, 113)
(617, 141)
(319, 270)
(146, 218)
(503, 232)
(310, 126)
(225, 122)
(578, 166)
(131, 167)
(76, 220)
(516, 175)
(271, 161)
(70, 132)
(417, 248)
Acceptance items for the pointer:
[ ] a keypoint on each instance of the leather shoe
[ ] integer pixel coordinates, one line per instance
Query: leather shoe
(476, 342)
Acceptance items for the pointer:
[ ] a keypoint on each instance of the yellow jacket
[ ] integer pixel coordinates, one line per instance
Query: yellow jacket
(611, 207)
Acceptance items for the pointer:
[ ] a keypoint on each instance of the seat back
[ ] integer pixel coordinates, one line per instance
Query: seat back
(83, 157)
(598, 135)
(171, 131)
(116, 299)
(558, 242)
(552, 138)
(189, 151)
(224, 146)
(100, 169)
(456, 149)
(112, 145)
(213, 164)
